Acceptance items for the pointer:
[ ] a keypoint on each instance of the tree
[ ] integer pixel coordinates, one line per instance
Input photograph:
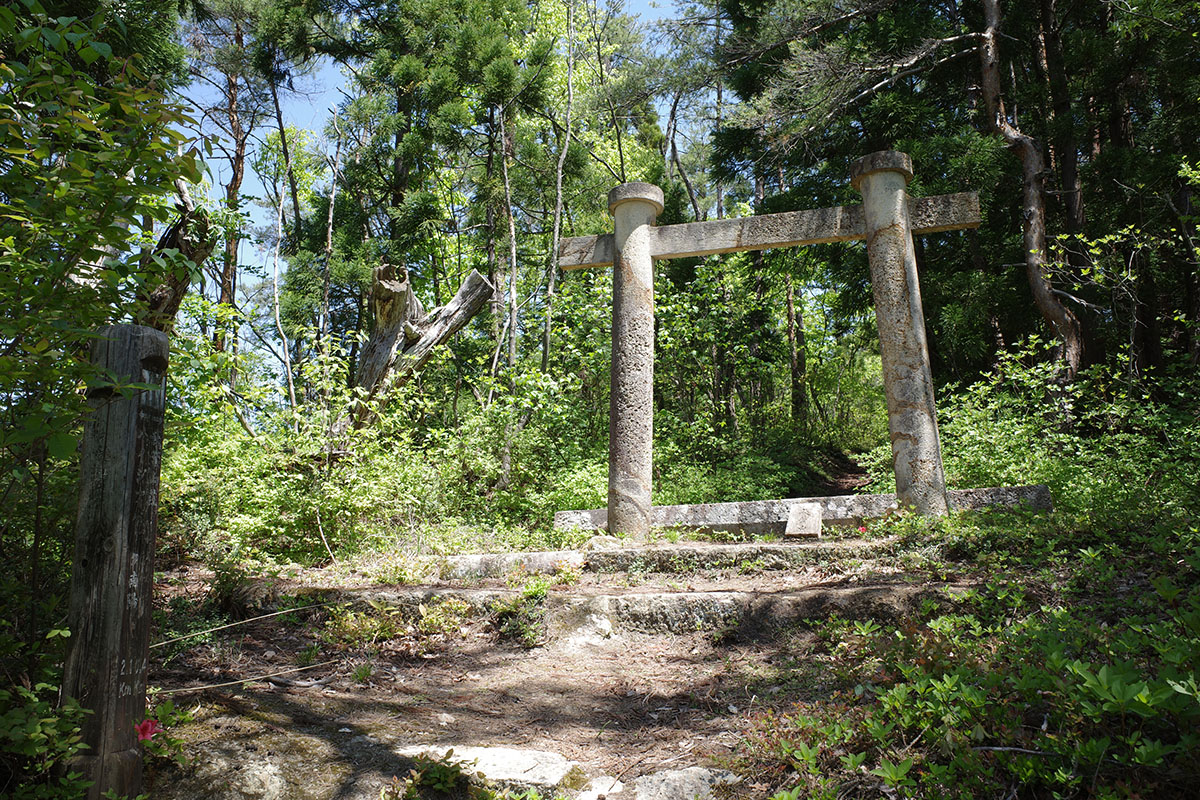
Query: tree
(87, 167)
(234, 100)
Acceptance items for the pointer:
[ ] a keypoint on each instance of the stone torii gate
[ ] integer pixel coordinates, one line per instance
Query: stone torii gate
(887, 220)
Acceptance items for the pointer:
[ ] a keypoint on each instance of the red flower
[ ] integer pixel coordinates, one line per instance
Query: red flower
(862, 528)
(147, 728)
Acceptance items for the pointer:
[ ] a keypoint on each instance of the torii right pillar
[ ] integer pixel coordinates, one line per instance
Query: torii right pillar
(883, 178)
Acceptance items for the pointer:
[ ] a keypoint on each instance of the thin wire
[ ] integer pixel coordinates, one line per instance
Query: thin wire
(244, 680)
(235, 624)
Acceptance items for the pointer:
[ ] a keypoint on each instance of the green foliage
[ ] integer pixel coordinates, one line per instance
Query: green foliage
(437, 777)
(522, 618)
(38, 734)
(380, 627)
(89, 147)
(1111, 446)
(188, 622)
(162, 746)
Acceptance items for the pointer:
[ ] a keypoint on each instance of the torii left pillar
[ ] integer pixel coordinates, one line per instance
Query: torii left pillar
(634, 207)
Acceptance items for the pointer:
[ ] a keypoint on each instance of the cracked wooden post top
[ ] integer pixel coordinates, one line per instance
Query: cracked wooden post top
(634, 207)
(907, 377)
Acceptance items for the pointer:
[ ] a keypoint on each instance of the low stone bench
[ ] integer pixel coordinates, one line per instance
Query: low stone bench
(771, 516)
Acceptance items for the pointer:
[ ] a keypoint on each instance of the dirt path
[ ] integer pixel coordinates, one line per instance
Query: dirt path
(380, 678)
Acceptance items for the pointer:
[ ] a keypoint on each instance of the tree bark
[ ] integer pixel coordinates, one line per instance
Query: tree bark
(287, 156)
(1065, 324)
(237, 165)
(405, 335)
(506, 152)
(797, 357)
(193, 236)
(1063, 127)
(556, 224)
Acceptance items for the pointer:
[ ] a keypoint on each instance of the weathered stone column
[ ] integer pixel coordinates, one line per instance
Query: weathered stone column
(907, 379)
(634, 207)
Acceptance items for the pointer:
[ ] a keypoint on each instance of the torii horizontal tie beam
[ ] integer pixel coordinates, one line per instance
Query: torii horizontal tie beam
(788, 229)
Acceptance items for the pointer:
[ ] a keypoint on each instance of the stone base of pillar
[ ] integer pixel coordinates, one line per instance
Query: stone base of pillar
(771, 516)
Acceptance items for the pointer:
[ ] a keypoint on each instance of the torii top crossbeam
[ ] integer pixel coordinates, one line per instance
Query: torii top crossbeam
(887, 219)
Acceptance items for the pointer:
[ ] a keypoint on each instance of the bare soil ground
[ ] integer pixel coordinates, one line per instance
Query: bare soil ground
(625, 705)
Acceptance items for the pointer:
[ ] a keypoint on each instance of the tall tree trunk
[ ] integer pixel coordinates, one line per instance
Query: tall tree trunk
(490, 223)
(1063, 127)
(687, 183)
(758, 312)
(227, 282)
(287, 156)
(326, 278)
(1065, 324)
(797, 357)
(287, 360)
(1182, 205)
(1147, 334)
(556, 223)
(512, 244)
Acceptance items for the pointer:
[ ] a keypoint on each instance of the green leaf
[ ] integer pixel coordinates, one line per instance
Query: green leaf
(61, 445)
(52, 38)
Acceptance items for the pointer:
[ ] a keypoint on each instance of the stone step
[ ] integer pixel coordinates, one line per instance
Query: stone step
(599, 614)
(667, 558)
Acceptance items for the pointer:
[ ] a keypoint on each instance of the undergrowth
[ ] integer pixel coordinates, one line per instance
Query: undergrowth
(1069, 669)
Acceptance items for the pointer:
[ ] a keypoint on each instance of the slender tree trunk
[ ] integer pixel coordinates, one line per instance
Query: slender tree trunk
(512, 244)
(1189, 269)
(228, 279)
(1065, 324)
(287, 359)
(691, 190)
(326, 324)
(602, 64)
(1063, 125)
(797, 357)
(1147, 334)
(556, 224)
(496, 303)
(287, 156)
(758, 312)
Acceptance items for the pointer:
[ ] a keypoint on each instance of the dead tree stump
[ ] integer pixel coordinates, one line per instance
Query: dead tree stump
(113, 573)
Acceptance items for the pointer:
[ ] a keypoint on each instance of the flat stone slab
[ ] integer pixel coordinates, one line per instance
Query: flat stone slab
(804, 519)
(690, 783)
(771, 516)
(508, 768)
(497, 565)
(688, 612)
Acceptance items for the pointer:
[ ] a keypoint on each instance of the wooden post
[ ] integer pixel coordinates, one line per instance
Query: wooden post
(113, 574)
